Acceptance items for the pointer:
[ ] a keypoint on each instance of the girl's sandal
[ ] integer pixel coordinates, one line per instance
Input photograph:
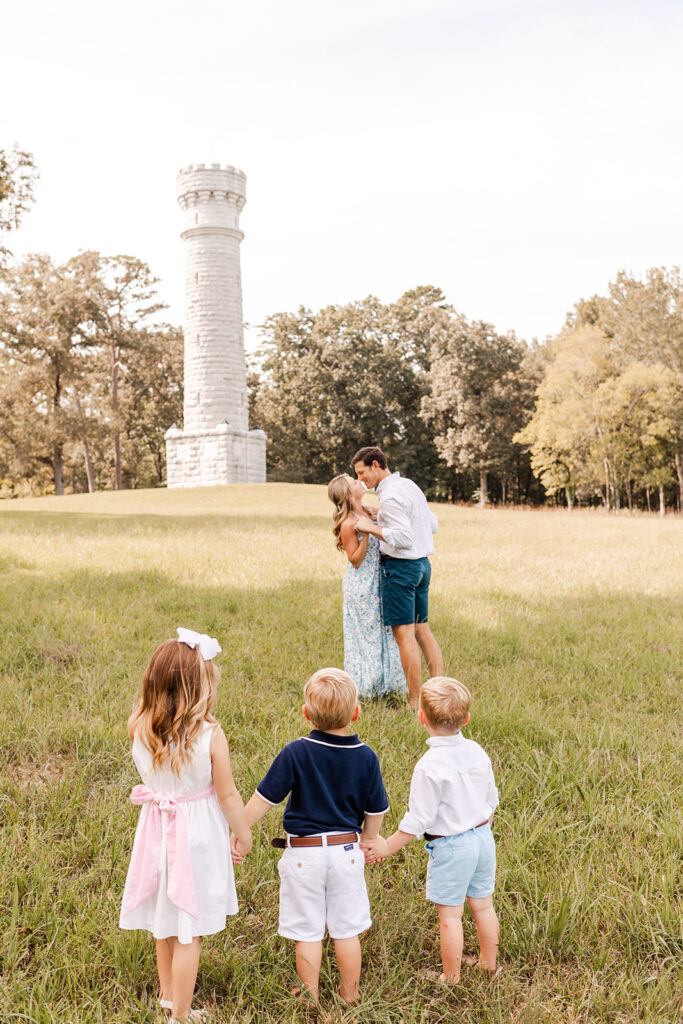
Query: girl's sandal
(193, 1017)
(166, 1006)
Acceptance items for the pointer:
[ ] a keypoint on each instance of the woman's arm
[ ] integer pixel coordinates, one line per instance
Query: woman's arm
(229, 799)
(355, 549)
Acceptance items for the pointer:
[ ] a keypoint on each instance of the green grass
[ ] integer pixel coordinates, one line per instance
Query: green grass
(566, 628)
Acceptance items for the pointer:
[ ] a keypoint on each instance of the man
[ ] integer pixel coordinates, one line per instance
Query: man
(404, 527)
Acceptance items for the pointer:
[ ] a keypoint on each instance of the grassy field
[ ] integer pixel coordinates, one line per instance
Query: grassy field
(567, 629)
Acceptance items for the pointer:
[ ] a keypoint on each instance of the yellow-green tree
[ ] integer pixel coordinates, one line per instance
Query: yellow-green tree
(602, 422)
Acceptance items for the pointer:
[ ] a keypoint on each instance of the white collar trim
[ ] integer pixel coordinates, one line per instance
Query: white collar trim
(336, 746)
(445, 741)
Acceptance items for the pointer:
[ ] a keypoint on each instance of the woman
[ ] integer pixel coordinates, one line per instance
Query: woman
(370, 652)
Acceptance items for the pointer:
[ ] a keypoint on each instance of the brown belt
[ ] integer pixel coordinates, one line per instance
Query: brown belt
(345, 837)
(429, 837)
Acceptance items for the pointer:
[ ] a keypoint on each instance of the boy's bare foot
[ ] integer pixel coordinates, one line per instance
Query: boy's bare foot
(435, 976)
(474, 961)
(303, 993)
(349, 1002)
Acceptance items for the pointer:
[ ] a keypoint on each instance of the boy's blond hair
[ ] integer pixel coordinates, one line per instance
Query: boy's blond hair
(445, 703)
(331, 697)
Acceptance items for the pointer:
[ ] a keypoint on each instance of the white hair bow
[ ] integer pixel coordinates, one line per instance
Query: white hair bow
(208, 645)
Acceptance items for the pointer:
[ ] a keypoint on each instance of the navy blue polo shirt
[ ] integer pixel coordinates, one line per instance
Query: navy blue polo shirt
(333, 782)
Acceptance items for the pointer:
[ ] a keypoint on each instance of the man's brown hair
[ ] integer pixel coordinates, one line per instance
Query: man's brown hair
(369, 455)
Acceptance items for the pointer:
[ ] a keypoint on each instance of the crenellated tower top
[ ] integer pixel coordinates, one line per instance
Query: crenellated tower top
(212, 197)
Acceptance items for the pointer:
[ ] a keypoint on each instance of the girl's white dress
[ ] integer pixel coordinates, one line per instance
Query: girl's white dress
(209, 842)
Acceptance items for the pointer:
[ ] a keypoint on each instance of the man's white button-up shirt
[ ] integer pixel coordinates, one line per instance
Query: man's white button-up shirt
(452, 789)
(406, 520)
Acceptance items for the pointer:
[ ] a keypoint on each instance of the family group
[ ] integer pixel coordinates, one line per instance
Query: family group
(180, 883)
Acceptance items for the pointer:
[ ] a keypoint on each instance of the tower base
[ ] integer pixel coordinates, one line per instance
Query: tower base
(209, 458)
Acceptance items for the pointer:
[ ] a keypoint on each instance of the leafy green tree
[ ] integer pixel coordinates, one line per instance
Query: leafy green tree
(331, 381)
(646, 320)
(643, 319)
(150, 401)
(635, 427)
(127, 302)
(87, 386)
(600, 422)
(479, 395)
(47, 327)
(560, 434)
(18, 176)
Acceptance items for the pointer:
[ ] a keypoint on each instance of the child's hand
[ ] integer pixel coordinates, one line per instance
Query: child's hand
(374, 850)
(238, 849)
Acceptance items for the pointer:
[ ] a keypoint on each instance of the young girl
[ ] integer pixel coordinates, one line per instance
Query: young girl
(180, 882)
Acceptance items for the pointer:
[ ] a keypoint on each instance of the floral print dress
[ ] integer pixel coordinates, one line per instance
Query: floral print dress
(371, 655)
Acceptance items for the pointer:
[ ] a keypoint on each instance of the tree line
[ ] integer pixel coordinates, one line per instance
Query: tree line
(442, 396)
(90, 382)
(594, 415)
(608, 418)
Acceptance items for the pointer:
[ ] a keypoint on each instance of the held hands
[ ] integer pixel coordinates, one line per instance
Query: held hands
(375, 850)
(363, 525)
(239, 849)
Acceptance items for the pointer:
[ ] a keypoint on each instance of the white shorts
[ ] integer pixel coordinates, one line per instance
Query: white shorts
(323, 885)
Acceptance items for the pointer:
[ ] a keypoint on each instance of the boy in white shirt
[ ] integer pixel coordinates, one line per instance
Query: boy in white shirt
(452, 799)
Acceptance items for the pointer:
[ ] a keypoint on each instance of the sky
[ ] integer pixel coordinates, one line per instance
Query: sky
(514, 153)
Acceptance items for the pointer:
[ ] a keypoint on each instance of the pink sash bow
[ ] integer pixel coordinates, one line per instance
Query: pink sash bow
(165, 817)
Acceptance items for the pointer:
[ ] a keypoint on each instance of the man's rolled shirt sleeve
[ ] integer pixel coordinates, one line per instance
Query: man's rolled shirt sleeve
(423, 804)
(377, 801)
(395, 524)
(278, 780)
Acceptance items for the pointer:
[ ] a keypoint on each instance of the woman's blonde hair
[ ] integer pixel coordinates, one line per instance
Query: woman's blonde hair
(178, 690)
(339, 493)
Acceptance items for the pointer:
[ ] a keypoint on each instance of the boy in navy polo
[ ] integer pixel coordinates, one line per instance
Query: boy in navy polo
(336, 796)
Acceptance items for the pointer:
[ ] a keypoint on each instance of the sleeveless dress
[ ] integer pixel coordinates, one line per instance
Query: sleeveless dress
(209, 848)
(371, 655)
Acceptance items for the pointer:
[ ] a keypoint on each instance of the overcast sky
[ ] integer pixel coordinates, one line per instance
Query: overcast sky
(516, 154)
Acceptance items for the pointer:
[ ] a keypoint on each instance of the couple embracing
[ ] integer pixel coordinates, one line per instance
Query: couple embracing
(386, 583)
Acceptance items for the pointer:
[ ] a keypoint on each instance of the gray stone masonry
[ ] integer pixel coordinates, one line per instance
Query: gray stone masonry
(215, 445)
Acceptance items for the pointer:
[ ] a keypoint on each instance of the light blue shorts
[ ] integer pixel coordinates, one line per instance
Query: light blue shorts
(462, 865)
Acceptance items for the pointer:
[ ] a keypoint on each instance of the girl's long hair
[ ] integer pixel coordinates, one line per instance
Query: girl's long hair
(339, 493)
(178, 690)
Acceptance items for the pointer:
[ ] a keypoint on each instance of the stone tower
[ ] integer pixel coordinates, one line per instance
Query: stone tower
(215, 445)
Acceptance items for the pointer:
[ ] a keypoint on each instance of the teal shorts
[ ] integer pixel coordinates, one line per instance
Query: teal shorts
(404, 590)
(460, 866)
